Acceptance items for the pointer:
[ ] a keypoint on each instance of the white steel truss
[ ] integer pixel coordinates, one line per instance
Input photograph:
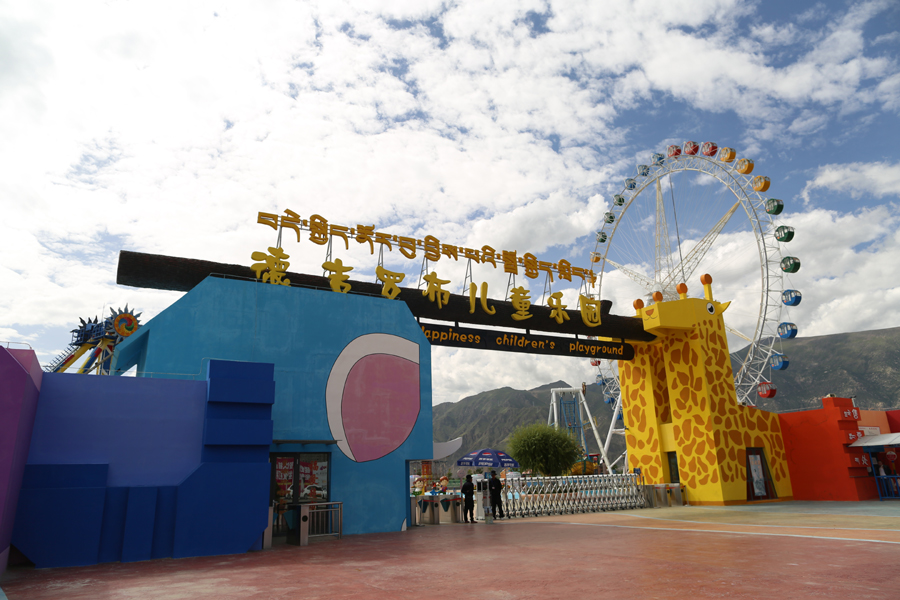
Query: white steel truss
(553, 418)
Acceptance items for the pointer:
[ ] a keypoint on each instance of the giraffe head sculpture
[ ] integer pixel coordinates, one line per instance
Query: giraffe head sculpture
(683, 314)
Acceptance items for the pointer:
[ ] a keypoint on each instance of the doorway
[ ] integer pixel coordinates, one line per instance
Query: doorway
(673, 467)
(759, 481)
(297, 478)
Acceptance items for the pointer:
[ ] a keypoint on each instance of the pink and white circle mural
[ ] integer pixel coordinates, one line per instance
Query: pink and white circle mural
(372, 395)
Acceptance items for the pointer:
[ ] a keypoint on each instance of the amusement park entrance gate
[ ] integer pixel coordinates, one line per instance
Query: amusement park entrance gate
(543, 496)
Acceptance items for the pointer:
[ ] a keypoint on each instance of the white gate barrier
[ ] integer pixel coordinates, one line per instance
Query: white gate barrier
(539, 496)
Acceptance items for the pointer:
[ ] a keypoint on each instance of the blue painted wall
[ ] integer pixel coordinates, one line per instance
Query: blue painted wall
(147, 430)
(302, 332)
(129, 469)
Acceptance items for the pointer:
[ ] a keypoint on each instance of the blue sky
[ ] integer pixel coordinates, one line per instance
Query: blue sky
(163, 128)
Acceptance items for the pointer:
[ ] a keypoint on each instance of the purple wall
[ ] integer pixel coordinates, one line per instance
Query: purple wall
(20, 384)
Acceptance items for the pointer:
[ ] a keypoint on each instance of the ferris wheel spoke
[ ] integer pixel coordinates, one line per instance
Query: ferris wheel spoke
(695, 256)
(639, 278)
(734, 331)
(663, 247)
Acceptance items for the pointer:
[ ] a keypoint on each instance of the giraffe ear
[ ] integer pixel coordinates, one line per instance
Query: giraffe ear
(724, 306)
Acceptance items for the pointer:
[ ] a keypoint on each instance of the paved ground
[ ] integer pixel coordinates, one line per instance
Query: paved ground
(785, 550)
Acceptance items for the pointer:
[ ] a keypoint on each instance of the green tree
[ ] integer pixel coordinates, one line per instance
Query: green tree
(543, 449)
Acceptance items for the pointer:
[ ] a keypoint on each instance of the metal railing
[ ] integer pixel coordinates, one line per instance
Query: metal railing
(321, 519)
(570, 494)
(7, 344)
(888, 486)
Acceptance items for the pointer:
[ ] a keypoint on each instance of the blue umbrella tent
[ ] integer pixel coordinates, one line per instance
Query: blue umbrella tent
(488, 458)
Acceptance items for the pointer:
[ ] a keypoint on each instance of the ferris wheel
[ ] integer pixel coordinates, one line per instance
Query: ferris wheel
(696, 209)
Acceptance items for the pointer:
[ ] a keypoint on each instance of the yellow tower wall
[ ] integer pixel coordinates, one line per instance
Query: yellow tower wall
(678, 396)
(643, 385)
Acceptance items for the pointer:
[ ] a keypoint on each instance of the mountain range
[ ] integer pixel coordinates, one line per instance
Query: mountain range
(863, 365)
(486, 420)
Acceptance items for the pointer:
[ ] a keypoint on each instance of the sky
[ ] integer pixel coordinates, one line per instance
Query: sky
(166, 127)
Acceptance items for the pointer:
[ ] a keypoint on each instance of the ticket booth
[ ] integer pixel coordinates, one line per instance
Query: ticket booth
(883, 453)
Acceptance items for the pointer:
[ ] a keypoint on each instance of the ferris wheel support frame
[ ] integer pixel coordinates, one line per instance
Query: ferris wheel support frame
(614, 430)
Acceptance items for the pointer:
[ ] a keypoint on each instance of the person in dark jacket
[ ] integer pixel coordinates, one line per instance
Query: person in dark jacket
(468, 492)
(495, 488)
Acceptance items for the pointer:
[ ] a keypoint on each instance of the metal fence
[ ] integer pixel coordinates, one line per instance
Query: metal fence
(319, 519)
(538, 496)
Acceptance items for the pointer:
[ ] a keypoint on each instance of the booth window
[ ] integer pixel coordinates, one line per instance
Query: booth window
(299, 477)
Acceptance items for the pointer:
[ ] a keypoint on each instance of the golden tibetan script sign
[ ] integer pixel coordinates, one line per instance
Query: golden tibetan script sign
(431, 248)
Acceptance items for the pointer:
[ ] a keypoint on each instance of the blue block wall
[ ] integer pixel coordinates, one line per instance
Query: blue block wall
(302, 332)
(147, 430)
(231, 487)
(123, 468)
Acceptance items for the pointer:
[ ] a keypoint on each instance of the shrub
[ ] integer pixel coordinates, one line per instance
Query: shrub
(544, 449)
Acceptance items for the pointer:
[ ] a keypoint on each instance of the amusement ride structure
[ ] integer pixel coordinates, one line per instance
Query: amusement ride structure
(567, 411)
(729, 227)
(97, 339)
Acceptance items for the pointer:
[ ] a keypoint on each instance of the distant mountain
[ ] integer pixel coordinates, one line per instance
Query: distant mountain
(486, 420)
(864, 364)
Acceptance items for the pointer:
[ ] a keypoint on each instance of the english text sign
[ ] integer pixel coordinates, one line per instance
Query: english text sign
(531, 343)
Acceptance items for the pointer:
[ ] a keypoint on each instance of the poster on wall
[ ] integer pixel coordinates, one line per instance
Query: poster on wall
(313, 476)
(756, 472)
(284, 476)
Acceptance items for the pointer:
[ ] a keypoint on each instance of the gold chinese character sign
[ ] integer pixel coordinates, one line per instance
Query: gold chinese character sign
(179, 274)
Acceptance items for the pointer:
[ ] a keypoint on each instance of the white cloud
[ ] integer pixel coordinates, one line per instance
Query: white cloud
(877, 179)
(849, 270)
(772, 33)
(887, 38)
(807, 123)
(165, 128)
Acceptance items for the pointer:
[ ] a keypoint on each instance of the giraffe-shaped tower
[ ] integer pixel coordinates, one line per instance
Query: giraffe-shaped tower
(680, 408)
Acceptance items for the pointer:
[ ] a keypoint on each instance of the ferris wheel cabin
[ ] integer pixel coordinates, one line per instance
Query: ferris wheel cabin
(774, 206)
(766, 389)
(787, 331)
(791, 297)
(790, 264)
(779, 362)
(761, 183)
(784, 233)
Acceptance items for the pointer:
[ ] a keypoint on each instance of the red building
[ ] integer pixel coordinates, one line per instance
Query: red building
(821, 460)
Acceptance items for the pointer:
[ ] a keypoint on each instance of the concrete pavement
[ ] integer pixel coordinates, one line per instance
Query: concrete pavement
(791, 551)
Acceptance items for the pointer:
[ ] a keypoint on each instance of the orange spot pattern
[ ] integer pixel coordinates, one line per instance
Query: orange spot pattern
(640, 421)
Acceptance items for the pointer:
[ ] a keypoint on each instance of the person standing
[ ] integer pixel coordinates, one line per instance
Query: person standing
(495, 487)
(468, 492)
